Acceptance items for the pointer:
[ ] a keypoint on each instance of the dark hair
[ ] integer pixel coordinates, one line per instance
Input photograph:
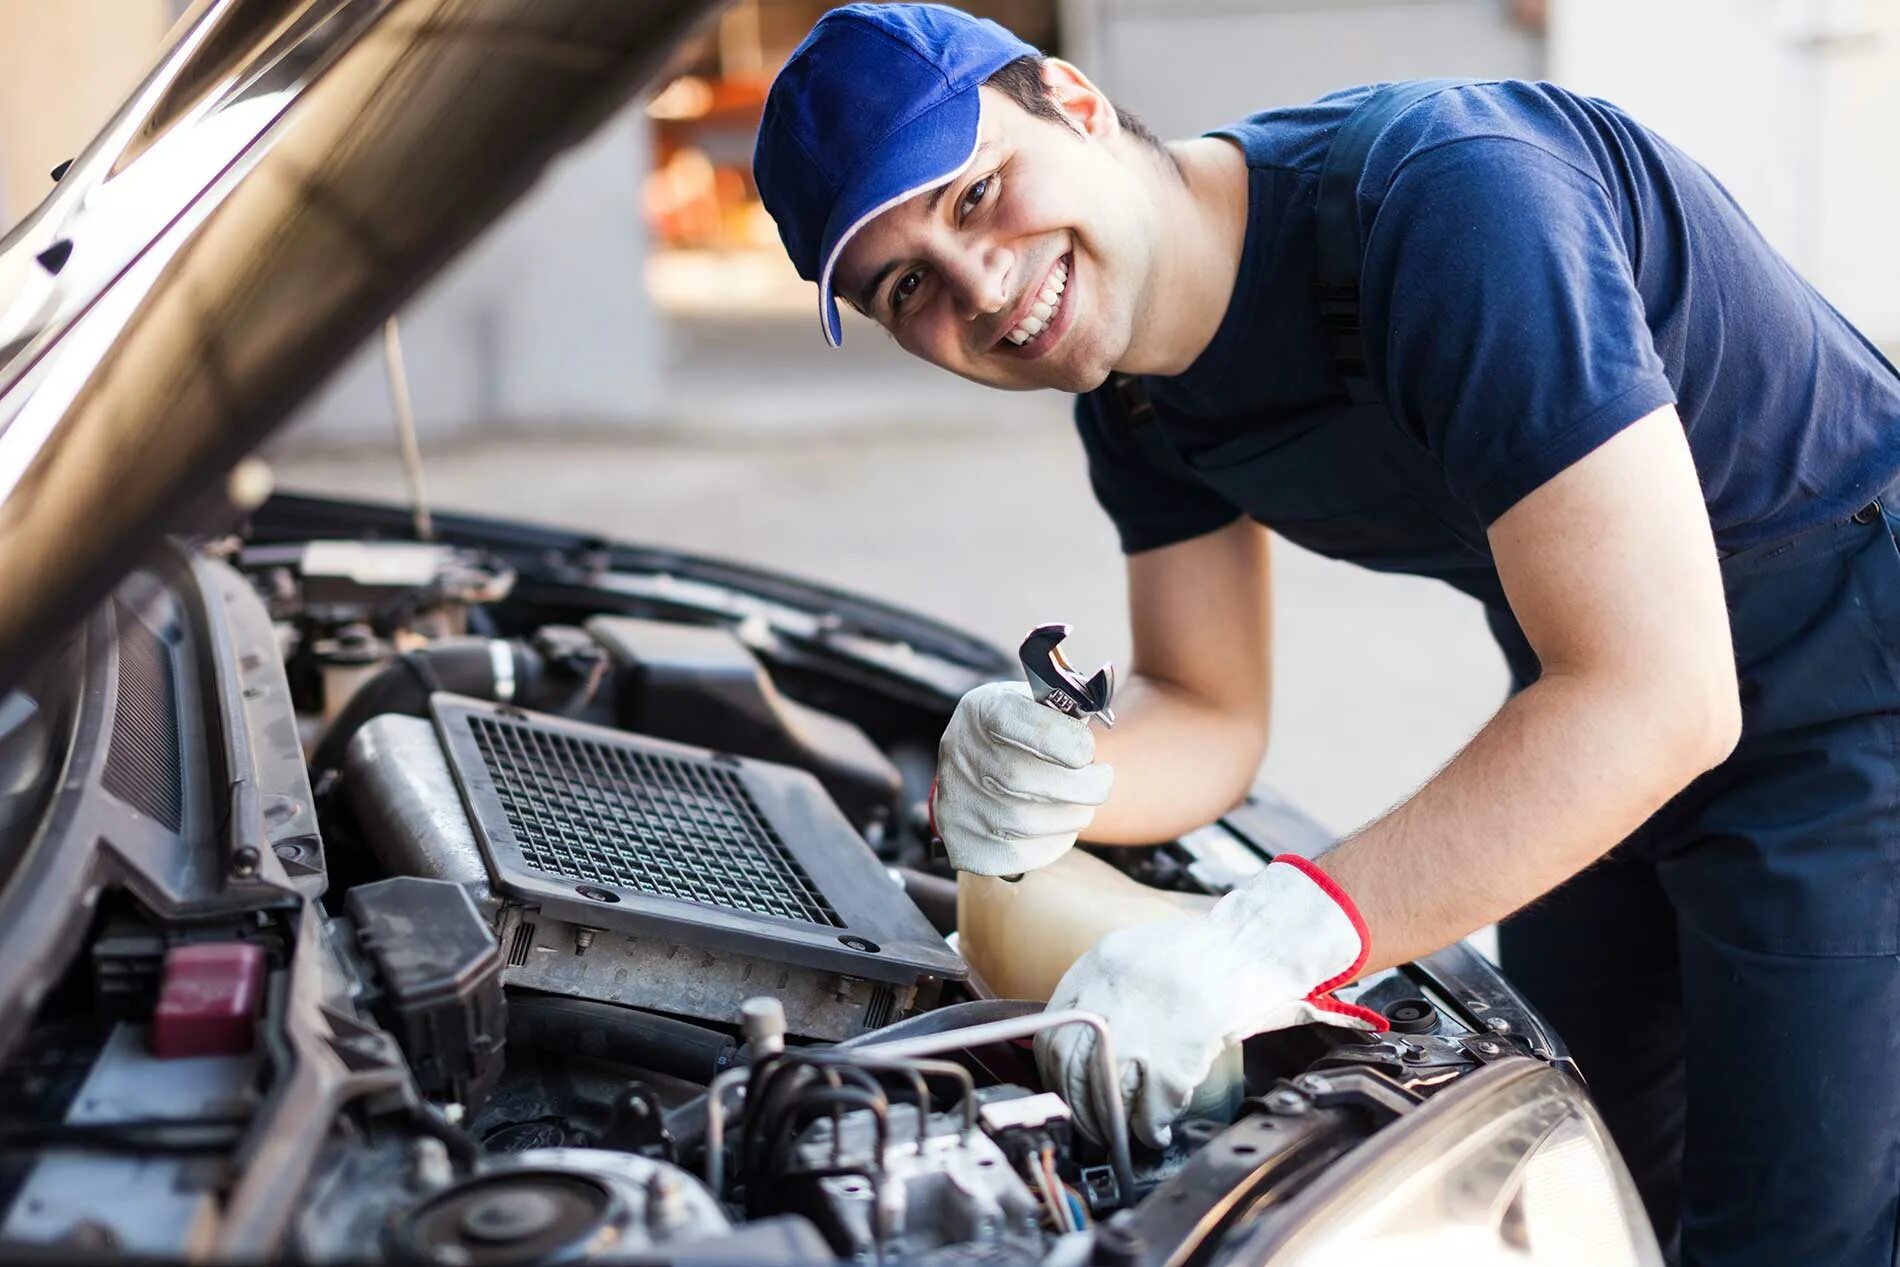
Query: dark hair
(1021, 81)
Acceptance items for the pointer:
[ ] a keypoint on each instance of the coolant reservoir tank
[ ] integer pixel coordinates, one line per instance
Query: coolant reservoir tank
(1022, 935)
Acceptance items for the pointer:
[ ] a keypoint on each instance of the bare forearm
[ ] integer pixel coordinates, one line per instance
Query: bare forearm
(1180, 760)
(1561, 773)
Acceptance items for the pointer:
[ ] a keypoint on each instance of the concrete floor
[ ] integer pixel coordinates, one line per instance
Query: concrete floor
(978, 511)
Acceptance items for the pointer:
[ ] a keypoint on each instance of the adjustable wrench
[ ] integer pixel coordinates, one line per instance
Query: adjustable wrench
(1053, 683)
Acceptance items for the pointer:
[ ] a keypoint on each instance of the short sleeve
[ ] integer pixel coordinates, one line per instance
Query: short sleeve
(1152, 504)
(1515, 339)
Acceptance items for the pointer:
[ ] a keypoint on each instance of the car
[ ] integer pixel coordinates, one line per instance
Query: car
(483, 892)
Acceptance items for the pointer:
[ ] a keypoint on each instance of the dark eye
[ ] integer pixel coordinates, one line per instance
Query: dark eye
(906, 286)
(974, 195)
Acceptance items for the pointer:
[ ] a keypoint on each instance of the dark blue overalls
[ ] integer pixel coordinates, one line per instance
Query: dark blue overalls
(1729, 977)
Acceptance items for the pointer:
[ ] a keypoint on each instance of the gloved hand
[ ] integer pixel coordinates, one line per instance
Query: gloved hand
(1177, 992)
(1015, 783)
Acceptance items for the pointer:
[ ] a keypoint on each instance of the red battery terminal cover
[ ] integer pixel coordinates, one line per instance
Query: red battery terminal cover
(208, 1003)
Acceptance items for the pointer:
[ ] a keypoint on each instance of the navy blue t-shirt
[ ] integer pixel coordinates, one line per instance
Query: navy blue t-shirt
(1542, 271)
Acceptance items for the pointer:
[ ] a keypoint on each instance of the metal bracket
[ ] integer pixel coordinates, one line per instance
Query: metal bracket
(637, 1124)
(1354, 1088)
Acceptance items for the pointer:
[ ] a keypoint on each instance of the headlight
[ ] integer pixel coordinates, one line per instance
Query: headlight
(1510, 1166)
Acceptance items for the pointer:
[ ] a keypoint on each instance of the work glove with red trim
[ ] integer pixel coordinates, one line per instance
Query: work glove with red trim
(1016, 782)
(1177, 993)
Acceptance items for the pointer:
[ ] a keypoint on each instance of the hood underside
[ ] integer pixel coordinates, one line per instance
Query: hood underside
(284, 179)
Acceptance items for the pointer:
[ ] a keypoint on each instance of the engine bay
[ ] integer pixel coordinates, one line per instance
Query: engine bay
(522, 898)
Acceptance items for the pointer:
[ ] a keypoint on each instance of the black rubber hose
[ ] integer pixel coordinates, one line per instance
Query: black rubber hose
(462, 665)
(624, 1035)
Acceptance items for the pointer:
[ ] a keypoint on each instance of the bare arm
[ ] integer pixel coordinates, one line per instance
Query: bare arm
(1611, 570)
(1191, 717)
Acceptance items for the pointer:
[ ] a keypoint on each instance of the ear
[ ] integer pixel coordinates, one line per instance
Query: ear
(1091, 111)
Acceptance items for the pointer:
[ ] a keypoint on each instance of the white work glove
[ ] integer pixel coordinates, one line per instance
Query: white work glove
(1015, 782)
(1175, 994)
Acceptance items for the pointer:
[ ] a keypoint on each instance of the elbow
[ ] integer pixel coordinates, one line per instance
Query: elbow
(1723, 723)
(1254, 731)
(1712, 724)
(1246, 741)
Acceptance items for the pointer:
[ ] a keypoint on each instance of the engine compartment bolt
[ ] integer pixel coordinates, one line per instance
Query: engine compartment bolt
(583, 938)
(1286, 1100)
(1313, 1084)
(1498, 1025)
(1489, 1048)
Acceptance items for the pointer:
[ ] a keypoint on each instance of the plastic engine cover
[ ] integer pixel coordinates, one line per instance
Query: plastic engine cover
(437, 981)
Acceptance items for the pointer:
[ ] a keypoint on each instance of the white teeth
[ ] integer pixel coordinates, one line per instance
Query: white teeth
(1043, 311)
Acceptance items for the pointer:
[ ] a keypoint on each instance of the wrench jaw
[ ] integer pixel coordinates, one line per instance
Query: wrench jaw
(1054, 683)
(1101, 689)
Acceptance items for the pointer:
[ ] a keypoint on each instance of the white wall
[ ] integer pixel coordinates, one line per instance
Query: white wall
(1793, 104)
(543, 323)
(1189, 65)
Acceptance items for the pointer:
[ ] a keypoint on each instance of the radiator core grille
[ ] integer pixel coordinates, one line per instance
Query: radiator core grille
(143, 766)
(645, 822)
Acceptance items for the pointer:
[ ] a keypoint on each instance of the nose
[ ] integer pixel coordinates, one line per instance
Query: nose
(978, 273)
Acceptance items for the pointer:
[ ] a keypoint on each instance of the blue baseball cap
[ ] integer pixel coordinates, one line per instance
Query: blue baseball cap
(878, 104)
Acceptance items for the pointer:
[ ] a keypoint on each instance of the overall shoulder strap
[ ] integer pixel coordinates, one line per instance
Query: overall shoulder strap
(1341, 247)
(1126, 400)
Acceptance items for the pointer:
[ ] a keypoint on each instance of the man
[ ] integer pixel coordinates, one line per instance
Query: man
(1565, 374)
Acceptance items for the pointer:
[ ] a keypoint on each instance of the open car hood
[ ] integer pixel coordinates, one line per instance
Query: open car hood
(286, 177)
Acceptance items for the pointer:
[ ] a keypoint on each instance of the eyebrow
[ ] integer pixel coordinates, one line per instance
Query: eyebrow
(867, 293)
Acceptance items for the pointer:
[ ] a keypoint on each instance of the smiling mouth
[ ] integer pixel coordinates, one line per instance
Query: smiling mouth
(1035, 323)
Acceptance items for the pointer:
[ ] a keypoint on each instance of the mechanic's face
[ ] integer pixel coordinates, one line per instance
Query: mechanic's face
(1025, 270)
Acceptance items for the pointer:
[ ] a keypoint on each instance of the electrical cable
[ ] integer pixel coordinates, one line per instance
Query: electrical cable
(1055, 1180)
(1048, 1185)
